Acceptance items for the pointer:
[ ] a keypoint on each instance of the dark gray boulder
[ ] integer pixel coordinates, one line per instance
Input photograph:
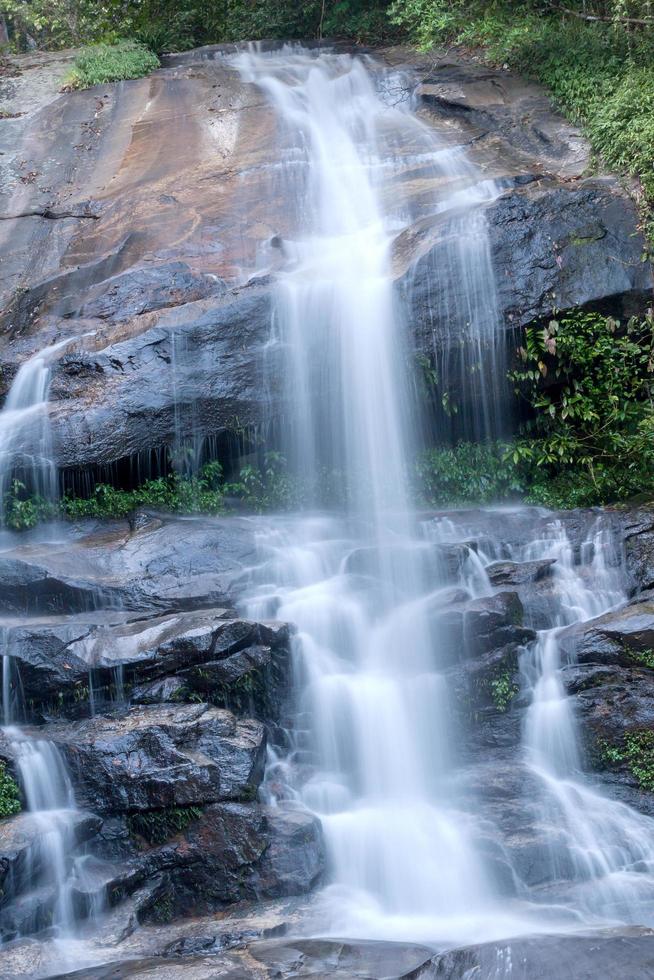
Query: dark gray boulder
(624, 636)
(198, 368)
(465, 630)
(155, 757)
(143, 290)
(516, 573)
(544, 957)
(170, 564)
(552, 248)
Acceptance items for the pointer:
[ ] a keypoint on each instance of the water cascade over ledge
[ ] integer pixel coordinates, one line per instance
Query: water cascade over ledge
(365, 737)
(413, 853)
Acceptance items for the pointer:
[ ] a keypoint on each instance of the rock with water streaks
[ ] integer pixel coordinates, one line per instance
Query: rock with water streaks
(160, 756)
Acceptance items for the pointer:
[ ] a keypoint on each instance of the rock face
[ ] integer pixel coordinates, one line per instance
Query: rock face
(162, 756)
(167, 341)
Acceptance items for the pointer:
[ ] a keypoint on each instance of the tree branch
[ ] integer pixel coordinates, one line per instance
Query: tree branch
(641, 22)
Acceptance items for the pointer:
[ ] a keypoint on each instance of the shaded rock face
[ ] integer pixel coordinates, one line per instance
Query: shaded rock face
(552, 248)
(162, 756)
(166, 565)
(170, 341)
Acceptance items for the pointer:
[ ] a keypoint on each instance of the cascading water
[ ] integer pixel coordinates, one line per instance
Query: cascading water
(374, 734)
(49, 798)
(24, 423)
(604, 850)
(379, 723)
(52, 870)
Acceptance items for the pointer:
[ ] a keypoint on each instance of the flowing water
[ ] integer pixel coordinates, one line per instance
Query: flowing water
(25, 443)
(376, 733)
(379, 731)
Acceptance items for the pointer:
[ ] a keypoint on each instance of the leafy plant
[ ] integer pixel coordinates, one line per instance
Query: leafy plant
(589, 382)
(503, 690)
(158, 826)
(111, 63)
(266, 487)
(467, 473)
(9, 793)
(637, 753)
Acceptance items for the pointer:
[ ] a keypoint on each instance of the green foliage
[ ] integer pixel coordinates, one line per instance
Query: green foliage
(467, 474)
(589, 381)
(158, 826)
(642, 658)
(637, 753)
(174, 25)
(600, 73)
(202, 494)
(266, 487)
(111, 63)
(503, 690)
(22, 511)
(9, 794)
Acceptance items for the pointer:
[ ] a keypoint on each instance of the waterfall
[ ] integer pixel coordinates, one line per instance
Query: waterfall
(603, 848)
(52, 869)
(49, 797)
(376, 740)
(25, 443)
(374, 723)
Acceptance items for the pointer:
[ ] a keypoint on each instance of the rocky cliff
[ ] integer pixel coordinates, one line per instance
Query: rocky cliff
(134, 216)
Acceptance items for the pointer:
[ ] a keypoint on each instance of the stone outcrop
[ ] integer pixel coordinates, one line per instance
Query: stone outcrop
(167, 340)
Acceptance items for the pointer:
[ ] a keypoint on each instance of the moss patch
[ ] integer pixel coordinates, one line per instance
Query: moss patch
(158, 826)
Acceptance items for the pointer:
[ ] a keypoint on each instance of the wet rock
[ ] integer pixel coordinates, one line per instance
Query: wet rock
(516, 573)
(624, 636)
(144, 290)
(543, 957)
(44, 669)
(165, 658)
(231, 852)
(253, 681)
(20, 855)
(172, 564)
(159, 691)
(340, 958)
(199, 367)
(29, 587)
(245, 851)
(282, 958)
(468, 629)
(574, 243)
(153, 757)
(486, 692)
(498, 107)
(637, 529)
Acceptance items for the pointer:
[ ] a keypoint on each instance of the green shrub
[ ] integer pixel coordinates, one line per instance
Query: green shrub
(267, 487)
(111, 63)
(589, 382)
(503, 691)
(467, 473)
(202, 494)
(600, 74)
(636, 753)
(9, 794)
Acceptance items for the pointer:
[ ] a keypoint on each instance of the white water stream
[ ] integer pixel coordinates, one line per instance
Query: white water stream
(25, 443)
(376, 736)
